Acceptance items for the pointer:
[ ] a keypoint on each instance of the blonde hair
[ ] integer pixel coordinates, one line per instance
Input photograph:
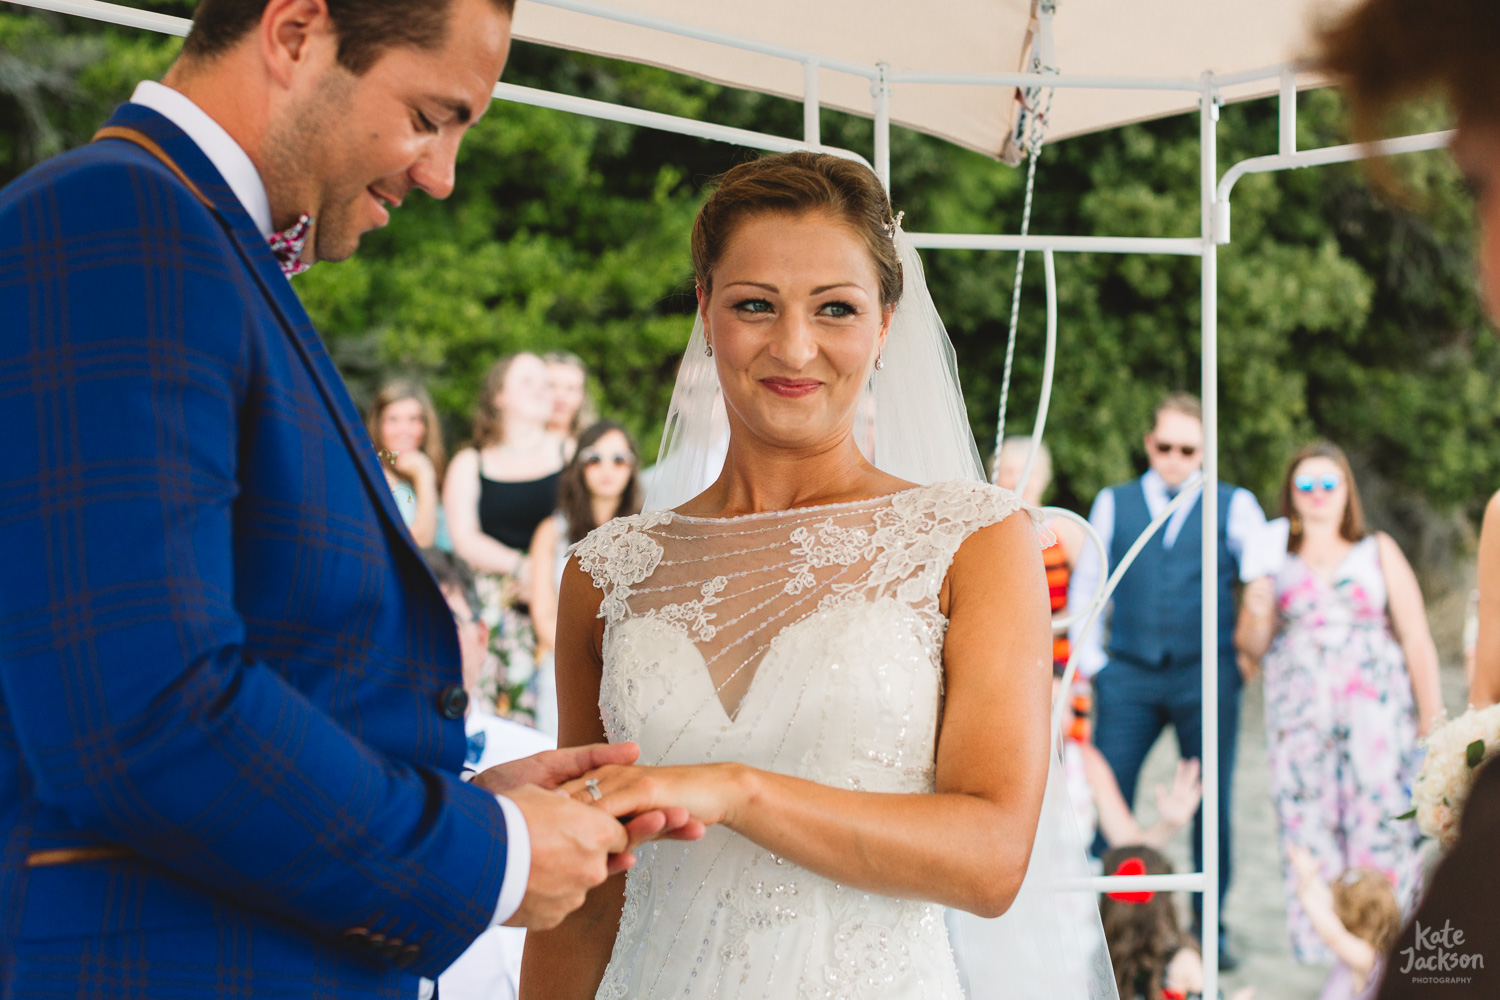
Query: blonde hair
(1022, 444)
(1184, 403)
(489, 422)
(586, 415)
(1366, 906)
(432, 438)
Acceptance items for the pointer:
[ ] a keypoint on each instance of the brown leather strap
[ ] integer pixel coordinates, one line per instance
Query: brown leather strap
(75, 855)
(150, 146)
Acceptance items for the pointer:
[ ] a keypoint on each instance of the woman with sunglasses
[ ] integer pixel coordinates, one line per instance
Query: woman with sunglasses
(598, 485)
(1351, 679)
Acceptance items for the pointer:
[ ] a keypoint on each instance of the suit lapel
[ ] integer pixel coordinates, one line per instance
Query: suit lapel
(257, 258)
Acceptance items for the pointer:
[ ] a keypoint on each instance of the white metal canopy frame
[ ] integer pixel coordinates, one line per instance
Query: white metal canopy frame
(1193, 34)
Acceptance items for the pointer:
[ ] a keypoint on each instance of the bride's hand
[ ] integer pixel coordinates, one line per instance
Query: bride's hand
(711, 793)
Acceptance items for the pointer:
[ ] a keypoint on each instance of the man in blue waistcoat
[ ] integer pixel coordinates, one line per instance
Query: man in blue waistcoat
(231, 717)
(1152, 674)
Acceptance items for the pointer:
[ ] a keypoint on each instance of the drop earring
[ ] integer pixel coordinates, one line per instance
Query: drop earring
(879, 363)
(708, 349)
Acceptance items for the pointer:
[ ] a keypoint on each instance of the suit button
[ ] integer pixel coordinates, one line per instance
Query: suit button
(453, 702)
(408, 955)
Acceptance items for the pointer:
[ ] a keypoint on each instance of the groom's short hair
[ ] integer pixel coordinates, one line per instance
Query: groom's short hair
(366, 28)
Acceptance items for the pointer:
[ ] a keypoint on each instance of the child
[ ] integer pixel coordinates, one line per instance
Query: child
(1357, 917)
(1153, 959)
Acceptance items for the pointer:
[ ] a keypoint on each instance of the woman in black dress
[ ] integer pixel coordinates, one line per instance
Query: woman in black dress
(496, 493)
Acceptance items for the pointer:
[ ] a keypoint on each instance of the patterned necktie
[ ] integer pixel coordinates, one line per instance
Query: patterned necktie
(287, 246)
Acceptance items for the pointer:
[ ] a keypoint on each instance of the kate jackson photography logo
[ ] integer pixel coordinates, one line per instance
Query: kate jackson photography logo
(1435, 956)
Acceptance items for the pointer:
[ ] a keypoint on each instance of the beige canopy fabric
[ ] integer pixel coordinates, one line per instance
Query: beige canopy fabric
(1137, 38)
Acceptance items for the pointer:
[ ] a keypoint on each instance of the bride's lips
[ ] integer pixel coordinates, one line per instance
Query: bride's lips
(792, 388)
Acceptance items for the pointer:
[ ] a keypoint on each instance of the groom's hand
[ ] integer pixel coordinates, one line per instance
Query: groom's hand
(552, 768)
(571, 846)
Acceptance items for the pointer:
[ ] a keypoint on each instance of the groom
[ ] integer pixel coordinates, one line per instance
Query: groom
(230, 713)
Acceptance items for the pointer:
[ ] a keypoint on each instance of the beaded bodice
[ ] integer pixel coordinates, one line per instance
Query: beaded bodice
(807, 642)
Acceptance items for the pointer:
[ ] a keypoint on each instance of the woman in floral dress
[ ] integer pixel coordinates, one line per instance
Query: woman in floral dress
(1350, 668)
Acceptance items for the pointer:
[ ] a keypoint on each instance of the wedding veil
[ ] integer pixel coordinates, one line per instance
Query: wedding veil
(912, 423)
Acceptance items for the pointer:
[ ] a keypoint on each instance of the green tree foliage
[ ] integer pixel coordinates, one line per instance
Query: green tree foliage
(1340, 315)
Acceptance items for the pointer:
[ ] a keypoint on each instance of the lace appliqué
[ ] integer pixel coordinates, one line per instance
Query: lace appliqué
(694, 616)
(757, 902)
(830, 546)
(616, 982)
(619, 554)
(914, 542)
(871, 957)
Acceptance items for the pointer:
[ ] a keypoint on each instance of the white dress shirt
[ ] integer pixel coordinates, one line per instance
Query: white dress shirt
(235, 166)
(222, 151)
(1242, 521)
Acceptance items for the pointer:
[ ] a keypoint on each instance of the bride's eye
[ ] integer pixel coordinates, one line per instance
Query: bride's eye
(838, 310)
(752, 306)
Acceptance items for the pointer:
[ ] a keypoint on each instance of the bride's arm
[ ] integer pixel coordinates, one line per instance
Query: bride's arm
(569, 961)
(969, 844)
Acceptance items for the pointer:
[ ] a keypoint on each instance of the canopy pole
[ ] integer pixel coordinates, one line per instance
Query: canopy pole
(811, 126)
(1208, 116)
(880, 89)
(1288, 111)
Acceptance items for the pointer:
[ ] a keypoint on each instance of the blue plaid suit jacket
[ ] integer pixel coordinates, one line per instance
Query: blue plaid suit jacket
(221, 657)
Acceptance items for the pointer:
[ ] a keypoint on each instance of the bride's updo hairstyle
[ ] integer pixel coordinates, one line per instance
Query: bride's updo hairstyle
(796, 184)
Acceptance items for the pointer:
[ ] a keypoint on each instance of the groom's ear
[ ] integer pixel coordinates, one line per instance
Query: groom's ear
(290, 30)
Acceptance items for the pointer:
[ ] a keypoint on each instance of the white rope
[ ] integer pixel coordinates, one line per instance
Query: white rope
(1034, 132)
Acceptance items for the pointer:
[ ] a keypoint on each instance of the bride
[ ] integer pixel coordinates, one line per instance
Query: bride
(837, 655)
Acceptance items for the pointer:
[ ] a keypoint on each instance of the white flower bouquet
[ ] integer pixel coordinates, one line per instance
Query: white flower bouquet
(1454, 751)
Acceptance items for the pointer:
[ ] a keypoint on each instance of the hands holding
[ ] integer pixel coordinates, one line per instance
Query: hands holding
(575, 847)
(708, 794)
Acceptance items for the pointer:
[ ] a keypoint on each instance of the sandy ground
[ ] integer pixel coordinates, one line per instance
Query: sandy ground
(1255, 908)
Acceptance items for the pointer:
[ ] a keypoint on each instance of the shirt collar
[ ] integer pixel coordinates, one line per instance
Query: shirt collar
(228, 158)
(1154, 484)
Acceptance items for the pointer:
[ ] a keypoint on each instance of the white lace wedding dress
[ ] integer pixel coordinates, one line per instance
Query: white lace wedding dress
(807, 642)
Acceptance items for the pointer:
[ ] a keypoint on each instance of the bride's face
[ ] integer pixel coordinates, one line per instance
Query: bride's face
(795, 322)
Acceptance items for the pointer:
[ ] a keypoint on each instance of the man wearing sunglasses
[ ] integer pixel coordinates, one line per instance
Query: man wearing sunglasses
(1152, 672)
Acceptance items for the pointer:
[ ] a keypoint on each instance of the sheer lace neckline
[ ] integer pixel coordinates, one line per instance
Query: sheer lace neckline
(732, 587)
(807, 509)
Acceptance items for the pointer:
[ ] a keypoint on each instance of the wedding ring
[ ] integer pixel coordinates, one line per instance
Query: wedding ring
(593, 786)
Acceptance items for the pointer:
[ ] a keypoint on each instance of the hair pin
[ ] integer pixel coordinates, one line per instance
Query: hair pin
(894, 224)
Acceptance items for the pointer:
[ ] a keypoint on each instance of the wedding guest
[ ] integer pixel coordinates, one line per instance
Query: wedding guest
(403, 423)
(1350, 666)
(1152, 674)
(1357, 917)
(1153, 959)
(599, 484)
(1385, 52)
(496, 493)
(568, 379)
(1061, 555)
(491, 967)
(1484, 682)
